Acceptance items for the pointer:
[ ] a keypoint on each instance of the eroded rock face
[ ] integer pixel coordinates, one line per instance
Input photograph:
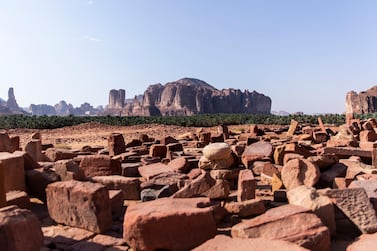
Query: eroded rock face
(363, 102)
(190, 96)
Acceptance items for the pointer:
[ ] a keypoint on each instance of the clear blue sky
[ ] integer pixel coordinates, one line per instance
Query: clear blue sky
(305, 55)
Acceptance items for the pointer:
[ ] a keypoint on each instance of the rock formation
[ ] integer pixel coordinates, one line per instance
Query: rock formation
(190, 96)
(64, 109)
(11, 102)
(117, 98)
(364, 102)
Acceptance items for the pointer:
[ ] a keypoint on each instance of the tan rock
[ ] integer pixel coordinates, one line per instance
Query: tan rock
(290, 223)
(299, 172)
(226, 243)
(80, 204)
(207, 164)
(217, 151)
(65, 236)
(20, 230)
(322, 206)
(159, 224)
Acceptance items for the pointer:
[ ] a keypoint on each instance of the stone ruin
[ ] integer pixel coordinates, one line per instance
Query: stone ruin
(292, 188)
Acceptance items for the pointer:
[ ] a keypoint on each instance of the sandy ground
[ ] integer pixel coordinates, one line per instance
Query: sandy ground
(95, 134)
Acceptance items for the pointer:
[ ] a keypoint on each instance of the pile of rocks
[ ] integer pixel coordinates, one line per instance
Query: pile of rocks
(296, 188)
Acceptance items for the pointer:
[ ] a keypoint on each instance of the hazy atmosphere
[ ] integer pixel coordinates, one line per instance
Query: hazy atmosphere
(304, 55)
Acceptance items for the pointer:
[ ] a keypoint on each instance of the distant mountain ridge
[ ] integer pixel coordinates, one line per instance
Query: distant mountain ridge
(188, 96)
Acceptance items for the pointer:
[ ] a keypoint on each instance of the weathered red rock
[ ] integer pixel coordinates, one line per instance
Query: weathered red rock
(116, 144)
(158, 150)
(151, 170)
(246, 208)
(100, 165)
(20, 230)
(55, 154)
(129, 186)
(197, 187)
(180, 164)
(12, 165)
(68, 170)
(299, 172)
(225, 243)
(246, 185)
(355, 204)
(291, 223)
(80, 204)
(169, 224)
(321, 205)
(256, 151)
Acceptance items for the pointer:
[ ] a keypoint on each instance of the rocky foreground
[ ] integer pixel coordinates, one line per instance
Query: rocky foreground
(296, 188)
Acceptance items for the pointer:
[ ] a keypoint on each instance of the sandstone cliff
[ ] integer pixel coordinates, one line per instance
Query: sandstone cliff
(190, 96)
(364, 102)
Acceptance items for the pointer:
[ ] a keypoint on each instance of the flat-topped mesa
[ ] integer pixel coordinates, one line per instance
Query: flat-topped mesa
(117, 98)
(189, 96)
(364, 102)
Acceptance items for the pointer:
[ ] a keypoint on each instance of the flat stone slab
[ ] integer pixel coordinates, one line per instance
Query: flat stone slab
(226, 243)
(355, 204)
(290, 223)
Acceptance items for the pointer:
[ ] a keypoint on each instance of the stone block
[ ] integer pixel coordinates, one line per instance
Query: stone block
(159, 224)
(226, 243)
(116, 199)
(322, 206)
(355, 204)
(20, 230)
(55, 154)
(100, 165)
(115, 144)
(180, 164)
(12, 165)
(68, 170)
(37, 181)
(18, 198)
(158, 150)
(246, 208)
(292, 223)
(130, 187)
(246, 185)
(299, 172)
(196, 187)
(80, 204)
(151, 170)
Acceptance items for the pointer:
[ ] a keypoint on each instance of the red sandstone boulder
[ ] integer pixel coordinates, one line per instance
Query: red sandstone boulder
(290, 223)
(20, 230)
(299, 172)
(80, 204)
(169, 224)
